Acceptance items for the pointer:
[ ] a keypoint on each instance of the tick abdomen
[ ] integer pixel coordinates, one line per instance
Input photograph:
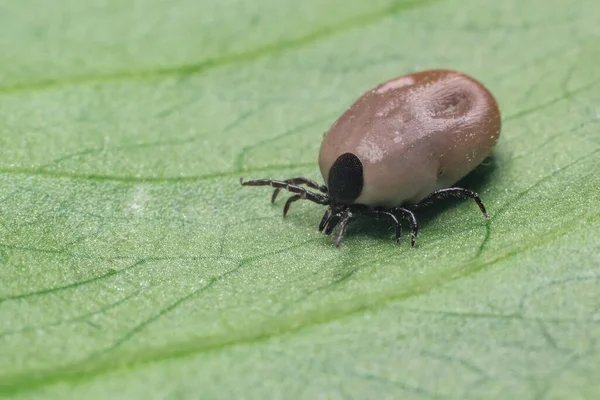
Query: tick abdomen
(414, 135)
(398, 148)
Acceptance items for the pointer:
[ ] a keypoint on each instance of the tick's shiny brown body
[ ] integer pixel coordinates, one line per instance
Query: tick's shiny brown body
(414, 135)
(398, 148)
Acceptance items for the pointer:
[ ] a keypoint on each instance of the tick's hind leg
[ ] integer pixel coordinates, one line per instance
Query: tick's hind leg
(397, 225)
(407, 214)
(453, 192)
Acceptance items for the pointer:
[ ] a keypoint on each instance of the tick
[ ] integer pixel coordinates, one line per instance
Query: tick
(400, 146)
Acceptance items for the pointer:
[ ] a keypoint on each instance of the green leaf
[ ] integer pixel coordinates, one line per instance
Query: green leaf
(134, 265)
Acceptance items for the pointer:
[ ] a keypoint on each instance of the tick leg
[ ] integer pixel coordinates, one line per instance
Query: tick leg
(290, 187)
(337, 214)
(410, 216)
(289, 202)
(325, 219)
(454, 192)
(347, 216)
(397, 224)
(332, 222)
(300, 181)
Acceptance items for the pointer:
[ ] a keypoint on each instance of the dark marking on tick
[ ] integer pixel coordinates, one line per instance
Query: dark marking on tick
(345, 181)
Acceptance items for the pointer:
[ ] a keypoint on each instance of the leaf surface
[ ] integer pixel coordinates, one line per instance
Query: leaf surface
(133, 264)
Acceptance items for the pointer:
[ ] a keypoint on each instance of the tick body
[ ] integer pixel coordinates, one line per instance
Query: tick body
(399, 147)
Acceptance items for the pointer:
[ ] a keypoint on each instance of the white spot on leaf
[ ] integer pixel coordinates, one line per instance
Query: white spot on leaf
(138, 200)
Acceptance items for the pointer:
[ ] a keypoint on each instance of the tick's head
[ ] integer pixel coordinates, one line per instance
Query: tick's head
(345, 180)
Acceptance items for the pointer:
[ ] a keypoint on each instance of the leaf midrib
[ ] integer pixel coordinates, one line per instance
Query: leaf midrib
(202, 66)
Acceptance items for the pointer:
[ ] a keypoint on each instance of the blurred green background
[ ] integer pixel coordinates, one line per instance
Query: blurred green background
(133, 264)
